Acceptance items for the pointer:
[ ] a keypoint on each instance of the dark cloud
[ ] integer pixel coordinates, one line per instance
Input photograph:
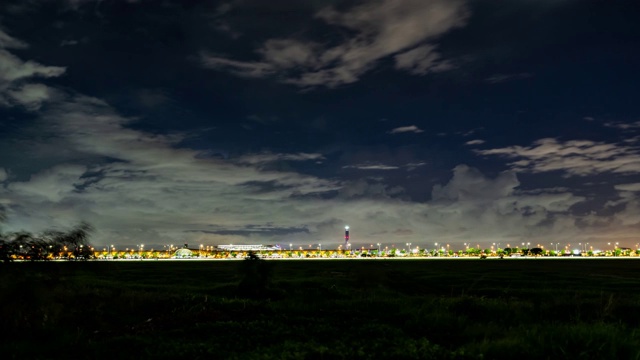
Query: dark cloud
(500, 78)
(257, 230)
(371, 167)
(380, 29)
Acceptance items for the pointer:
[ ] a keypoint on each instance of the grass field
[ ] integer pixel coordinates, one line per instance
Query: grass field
(342, 309)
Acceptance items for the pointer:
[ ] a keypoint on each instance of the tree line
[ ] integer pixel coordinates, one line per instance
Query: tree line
(51, 244)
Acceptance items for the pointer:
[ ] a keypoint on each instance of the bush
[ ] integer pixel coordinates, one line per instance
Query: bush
(256, 277)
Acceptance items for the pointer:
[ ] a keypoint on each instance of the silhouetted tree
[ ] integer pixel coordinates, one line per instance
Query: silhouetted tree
(76, 240)
(31, 247)
(5, 245)
(536, 251)
(26, 245)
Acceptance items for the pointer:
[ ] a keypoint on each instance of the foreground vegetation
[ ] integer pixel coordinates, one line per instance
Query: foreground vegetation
(255, 309)
(52, 244)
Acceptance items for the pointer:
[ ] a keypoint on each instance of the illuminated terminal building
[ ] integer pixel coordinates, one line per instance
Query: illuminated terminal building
(249, 247)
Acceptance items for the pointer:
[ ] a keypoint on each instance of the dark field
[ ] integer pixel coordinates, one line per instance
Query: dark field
(323, 309)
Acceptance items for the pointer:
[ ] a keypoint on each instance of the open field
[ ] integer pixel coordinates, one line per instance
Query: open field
(341, 309)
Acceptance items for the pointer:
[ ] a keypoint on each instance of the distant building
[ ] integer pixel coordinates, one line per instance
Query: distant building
(183, 253)
(249, 248)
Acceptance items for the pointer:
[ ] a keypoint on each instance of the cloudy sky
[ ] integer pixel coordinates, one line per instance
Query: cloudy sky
(277, 122)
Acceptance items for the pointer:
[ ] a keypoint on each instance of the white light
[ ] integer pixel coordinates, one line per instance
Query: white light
(346, 227)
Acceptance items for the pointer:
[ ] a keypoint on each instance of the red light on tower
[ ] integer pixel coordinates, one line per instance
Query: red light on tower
(346, 234)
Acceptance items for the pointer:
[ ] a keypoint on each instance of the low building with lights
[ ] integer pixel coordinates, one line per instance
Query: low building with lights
(248, 247)
(183, 253)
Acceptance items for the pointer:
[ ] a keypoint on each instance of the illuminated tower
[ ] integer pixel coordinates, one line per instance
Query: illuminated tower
(346, 237)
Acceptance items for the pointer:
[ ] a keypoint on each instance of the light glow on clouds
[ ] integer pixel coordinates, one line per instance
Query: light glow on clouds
(628, 187)
(405, 29)
(156, 193)
(159, 185)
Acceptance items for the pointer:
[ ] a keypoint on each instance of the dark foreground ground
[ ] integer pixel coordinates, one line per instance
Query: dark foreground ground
(375, 309)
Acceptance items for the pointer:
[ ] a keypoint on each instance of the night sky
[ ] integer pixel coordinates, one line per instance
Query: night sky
(277, 122)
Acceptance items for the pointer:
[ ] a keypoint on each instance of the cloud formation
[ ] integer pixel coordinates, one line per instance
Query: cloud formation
(16, 76)
(623, 125)
(13, 69)
(469, 184)
(405, 29)
(371, 167)
(31, 96)
(422, 60)
(405, 129)
(141, 188)
(142, 185)
(628, 187)
(267, 158)
(8, 42)
(573, 158)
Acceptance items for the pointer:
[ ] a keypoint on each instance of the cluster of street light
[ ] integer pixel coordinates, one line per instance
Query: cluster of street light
(377, 250)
